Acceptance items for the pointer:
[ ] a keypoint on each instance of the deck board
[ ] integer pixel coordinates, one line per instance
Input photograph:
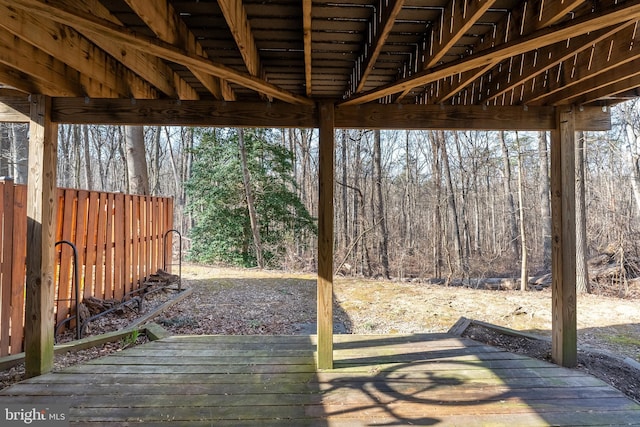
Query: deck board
(422, 379)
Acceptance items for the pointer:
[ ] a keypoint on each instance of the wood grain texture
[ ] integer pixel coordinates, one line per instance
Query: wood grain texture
(374, 116)
(41, 224)
(325, 236)
(419, 379)
(563, 250)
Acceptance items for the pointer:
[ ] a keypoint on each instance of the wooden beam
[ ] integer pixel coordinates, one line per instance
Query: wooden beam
(166, 23)
(592, 22)
(551, 12)
(307, 7)
(236, 16)
(601, 60)
(531, 64)
(610, 89)
(14, 109)
(51, 75)
(457, 18)
(263, 114)
(140, 61)
(373, 49)
(563, 263)
(41, 235)
(325, 235)
(184, 113)
(103, 73)
(451, 86)
(117, 34)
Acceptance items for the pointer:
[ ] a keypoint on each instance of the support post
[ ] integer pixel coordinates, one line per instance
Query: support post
(563, 259)
(41, 230)
(325, 236)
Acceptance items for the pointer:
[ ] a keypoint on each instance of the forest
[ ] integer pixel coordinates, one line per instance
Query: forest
(408, 204)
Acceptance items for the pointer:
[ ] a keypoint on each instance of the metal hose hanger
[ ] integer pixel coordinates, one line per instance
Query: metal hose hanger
(164, 254)
(76, 286)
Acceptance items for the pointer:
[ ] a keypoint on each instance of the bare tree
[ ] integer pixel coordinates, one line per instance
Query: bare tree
(253, 216)
(582, 272)
(524, 266)
(543, 196)
(513, 223)
(136, 160)
(384, 234)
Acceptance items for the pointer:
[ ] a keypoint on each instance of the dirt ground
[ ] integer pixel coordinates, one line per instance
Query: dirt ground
(232, 301)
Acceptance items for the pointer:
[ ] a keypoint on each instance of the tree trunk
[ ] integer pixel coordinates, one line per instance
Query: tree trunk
(582, 272)
(345, 210)
(87, 157)
(437, 231)
(384, 238)
(253, 217)
(524, 266)
(506, 165)
(136, 160)
(545, 203)
(451, 200)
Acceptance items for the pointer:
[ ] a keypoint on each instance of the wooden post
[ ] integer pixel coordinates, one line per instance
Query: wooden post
(41, 234)
(563, 262)
(325, 237)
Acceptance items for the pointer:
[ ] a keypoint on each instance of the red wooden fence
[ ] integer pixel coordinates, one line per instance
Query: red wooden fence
(119, 238)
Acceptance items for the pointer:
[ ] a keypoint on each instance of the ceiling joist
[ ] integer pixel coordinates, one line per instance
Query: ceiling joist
(87, 22)
(611, 16)
(381, 29)
(164, 21)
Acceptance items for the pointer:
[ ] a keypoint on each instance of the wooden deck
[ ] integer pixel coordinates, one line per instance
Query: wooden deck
(434, 379)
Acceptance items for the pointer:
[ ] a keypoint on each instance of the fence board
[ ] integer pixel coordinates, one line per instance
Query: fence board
(82, 233)
(7, 251)
(127, 267)
(19, 262)
(135, 246)
(119, 243)
(90, 257)
(65, 266)
(101, 233)
(118, 246)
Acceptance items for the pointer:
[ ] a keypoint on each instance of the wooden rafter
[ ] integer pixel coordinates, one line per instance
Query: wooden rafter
(551, 12)
(457, 19)
(623, 84)
(532, 64)
(164, 21)
(118, 34)
(387, 17)
(143, 63)
(614, 51)
(46, 73)
(449, 87)
(519, 22)
(306, 27)
(611, 16)
(236, 16)
(614, 78)
(70, 47)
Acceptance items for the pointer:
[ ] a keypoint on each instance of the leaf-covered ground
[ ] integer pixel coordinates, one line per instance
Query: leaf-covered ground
(234, 301)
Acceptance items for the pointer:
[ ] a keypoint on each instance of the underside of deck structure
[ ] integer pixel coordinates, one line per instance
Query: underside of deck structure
(434, 379)
(398, 64)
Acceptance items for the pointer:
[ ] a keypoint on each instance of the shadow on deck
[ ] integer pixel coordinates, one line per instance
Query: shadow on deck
(430, 379)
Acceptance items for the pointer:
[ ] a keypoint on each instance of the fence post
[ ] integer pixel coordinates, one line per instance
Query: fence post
(7, 263)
